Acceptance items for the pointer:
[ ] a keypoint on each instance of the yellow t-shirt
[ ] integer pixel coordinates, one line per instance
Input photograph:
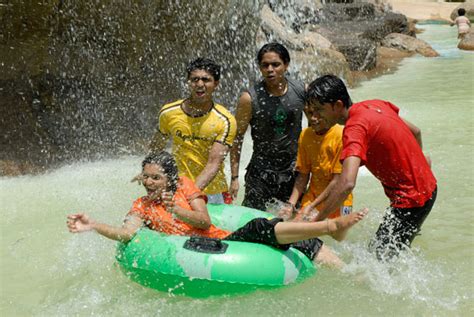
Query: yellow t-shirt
(319, 155)
(193, 138)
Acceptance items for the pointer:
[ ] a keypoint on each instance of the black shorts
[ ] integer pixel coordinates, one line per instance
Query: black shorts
(262, 230)
(398, 229)
(262, 185)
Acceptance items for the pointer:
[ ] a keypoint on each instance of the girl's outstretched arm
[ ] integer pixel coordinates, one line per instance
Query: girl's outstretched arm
(77, 223)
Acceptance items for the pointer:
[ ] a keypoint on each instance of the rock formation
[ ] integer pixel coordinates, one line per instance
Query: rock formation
(410, 44)
(467, 42)
(82, 79)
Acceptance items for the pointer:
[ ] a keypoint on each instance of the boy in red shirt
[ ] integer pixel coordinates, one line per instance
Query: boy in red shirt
(391, 149)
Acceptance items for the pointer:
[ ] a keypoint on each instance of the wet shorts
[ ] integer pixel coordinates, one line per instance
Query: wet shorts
(263, 185)
(398, 229)
(262, 230)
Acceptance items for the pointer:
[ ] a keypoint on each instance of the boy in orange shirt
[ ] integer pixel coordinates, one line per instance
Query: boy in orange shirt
(319, 148)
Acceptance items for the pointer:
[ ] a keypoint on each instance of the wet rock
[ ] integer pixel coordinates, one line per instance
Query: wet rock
(467, 42)
(407, 43)
(311, 53)
(315, 40)
(388, 23)
(360, 53)
(276, 30)
(297, 14)
(83, 79)
(388, 60)
(310, 63)
(357, 29)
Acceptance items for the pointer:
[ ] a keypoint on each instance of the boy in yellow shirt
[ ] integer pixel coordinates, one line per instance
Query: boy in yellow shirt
(201, 131)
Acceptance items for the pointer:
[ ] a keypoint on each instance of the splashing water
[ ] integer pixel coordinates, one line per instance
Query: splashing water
(47, 271)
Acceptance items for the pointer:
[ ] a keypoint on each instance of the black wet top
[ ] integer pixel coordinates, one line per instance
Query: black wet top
(276, 126)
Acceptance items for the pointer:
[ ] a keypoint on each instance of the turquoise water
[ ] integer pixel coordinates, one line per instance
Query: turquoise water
(45, 271)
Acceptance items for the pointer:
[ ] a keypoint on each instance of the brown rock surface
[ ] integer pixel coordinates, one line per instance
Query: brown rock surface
(388, 60)
(467, 42)
(410, 44)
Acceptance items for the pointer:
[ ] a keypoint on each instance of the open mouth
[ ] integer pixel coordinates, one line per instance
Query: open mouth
(200, 93)
(150, 191)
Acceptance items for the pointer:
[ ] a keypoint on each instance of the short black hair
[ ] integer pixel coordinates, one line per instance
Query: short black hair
(328, 89)
(206, 64)
(275, 48)
(168, 164)
(461, 11)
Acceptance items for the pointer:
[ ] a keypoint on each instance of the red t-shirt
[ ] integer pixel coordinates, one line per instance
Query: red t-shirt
(156, 217)
(376, 134)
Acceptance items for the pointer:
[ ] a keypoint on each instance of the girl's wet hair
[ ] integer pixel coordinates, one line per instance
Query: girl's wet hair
(205, 64)
(328, 89)
(275, 48)
(168, 164)
(461, 11)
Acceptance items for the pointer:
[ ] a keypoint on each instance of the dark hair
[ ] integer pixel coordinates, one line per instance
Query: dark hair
(328, 89)
(275, 48)
(168, 164)
(206, 64)
(461, 11)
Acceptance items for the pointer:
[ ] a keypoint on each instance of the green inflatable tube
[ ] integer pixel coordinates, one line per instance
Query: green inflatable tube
(206, 267)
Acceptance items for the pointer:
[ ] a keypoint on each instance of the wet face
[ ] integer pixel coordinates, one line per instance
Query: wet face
(323, 116)
(155, 180)
(201, 85)
(315, 121)
(272, 67)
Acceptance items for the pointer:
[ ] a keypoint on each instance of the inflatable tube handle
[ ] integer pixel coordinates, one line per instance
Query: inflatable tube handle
(205, 245)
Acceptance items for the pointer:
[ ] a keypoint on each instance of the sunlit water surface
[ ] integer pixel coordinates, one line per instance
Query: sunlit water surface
(46, 271)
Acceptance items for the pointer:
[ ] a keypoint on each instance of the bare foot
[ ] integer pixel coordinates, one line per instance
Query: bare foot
(338, 227)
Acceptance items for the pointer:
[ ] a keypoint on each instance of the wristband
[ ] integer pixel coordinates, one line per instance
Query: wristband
(233, 178)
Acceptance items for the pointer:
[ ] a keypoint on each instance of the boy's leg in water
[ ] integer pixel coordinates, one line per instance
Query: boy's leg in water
(327, 257)
(317, 252)
(398, 229)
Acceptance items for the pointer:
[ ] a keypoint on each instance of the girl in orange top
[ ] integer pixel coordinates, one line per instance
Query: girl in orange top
(175, 205)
